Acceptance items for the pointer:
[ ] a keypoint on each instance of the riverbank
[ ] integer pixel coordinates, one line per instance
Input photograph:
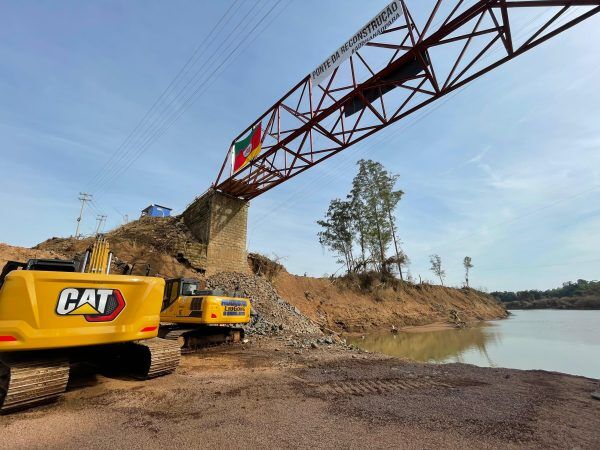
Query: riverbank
(436, 326)
(580, 294)
(346, 306)
(267, 393)
(586, 303)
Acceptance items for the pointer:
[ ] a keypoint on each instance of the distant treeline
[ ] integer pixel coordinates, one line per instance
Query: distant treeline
(579, 295)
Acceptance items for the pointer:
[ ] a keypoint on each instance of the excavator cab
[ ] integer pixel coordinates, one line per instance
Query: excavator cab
(177, 287)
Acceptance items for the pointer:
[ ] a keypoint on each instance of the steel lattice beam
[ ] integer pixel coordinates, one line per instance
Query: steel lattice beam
(314, 122)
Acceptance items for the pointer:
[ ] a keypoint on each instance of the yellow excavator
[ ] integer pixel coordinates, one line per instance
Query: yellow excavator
(195, 317)
(55, 312)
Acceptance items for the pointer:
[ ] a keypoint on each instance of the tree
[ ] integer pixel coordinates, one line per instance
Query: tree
(337, 232)
(365, 197)
(366, 219)
(390, 199)
(436, 267)
(374, 198)
(360, 224)
(468, 265)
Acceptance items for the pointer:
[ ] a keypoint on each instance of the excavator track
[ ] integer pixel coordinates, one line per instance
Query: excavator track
(180, 337)
(193, 339)
(139, 359)
(154, 357)
(28, 383)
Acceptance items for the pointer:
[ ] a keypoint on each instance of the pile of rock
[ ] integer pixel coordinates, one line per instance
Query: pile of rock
(270, 313)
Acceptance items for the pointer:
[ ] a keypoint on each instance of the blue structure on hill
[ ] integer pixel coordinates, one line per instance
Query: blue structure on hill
(156, 211)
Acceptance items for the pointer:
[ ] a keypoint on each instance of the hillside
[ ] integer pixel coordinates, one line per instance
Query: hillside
(164, 244)
(12, 253)
(581, 294)
(341, 304)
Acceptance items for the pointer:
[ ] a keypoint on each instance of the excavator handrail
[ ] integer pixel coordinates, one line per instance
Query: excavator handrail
(9, 267)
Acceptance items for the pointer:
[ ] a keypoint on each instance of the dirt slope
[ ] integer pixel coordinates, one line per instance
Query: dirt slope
(11, 253)
(161, 243)
(343, 308)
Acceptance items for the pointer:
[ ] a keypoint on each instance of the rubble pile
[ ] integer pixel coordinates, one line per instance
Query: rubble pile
(271, 314)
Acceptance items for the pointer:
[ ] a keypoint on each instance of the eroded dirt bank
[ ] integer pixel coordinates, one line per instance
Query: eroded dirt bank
(12, 253)
(266, 394)
(345, 308)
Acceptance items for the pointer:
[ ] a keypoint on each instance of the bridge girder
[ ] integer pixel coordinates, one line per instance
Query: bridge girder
(394, 75)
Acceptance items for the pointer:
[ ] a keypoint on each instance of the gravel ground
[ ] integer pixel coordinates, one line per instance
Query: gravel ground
(269, 393)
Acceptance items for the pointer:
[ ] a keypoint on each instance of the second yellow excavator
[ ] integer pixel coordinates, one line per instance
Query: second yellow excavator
(196, 317)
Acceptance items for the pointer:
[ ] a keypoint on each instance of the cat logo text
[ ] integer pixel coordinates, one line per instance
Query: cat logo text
(95, 305)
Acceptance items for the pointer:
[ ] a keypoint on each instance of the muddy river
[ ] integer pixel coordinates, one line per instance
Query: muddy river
(554, 340)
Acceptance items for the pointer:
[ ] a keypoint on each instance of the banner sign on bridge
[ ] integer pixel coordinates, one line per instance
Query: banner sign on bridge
(372, 29)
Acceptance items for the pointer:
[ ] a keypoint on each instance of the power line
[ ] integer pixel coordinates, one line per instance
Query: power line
(189, 101)
(169, 115)
(521, 216)
(143, 145)
(143, 133)
(182, 72)
(97, 209)
(145, 142)
(312, 185)
(565, 263)
(352, 154)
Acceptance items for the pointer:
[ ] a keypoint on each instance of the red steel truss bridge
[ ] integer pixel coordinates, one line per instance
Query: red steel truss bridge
(403, 69)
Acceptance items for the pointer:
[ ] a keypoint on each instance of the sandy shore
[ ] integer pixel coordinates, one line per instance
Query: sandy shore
(268, 394)
(437, 326)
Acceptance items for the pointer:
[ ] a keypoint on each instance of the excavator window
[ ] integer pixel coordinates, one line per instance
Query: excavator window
(189, 288)
(171, 293)
(174, 290)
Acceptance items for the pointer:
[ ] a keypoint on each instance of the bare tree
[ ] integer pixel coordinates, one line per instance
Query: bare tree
(468, 265)
(436, 267)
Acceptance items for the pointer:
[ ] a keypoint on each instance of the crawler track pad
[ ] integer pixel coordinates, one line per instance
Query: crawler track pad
(152, 358)
(28, 383)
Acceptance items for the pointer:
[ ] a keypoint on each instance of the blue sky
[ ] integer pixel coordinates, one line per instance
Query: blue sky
(507, 171)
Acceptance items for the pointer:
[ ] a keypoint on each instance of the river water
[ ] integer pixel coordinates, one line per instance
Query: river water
(554, 340)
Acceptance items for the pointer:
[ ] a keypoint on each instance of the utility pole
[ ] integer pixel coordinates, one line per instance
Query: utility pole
(84, 197)
(101, 218)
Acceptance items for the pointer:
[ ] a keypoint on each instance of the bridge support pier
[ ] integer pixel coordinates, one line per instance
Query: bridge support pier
(220, 222)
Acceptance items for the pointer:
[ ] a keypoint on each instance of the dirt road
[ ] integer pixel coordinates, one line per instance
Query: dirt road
(266, 394)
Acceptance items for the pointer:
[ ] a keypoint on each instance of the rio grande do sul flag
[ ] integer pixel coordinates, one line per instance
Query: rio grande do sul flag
(246, 149)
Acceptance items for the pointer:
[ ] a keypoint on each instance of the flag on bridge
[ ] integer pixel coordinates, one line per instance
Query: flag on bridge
(246, 149)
